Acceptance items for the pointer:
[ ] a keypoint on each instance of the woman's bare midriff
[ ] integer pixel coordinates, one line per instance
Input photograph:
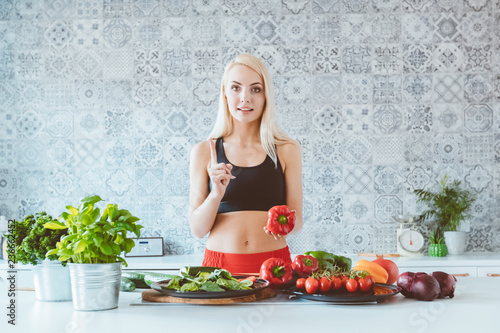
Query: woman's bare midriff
(242, 232)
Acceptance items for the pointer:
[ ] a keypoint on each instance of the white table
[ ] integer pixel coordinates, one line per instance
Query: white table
(474, 309)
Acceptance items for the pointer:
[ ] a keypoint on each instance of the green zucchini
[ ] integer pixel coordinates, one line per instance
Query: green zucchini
(126, 284)
(152, 277)
(137, 278)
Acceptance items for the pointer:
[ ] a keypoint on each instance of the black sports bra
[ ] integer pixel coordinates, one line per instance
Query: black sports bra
(257, 187)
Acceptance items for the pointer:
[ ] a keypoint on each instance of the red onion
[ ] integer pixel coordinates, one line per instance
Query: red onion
(405, 280)
(425, 287)
(446, 282)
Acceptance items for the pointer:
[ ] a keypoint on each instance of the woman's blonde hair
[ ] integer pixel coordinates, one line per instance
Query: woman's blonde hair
(270, 133)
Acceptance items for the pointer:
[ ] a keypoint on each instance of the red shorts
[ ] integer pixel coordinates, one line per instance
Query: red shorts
(244, 263)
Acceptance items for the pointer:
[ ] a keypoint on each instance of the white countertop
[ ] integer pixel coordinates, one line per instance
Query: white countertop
(397, 314)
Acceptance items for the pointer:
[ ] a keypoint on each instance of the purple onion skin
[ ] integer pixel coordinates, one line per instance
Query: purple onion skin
(425, 287)
(447, 283)
(405, 280)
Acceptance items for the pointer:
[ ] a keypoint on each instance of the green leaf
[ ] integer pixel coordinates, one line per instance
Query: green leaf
(210, 286)
(106, 249)
(54, 225)
(105, 215)
(66, 252)
(98, 240)
(116, 248)
(229, 284)
(65, 216)
(69, 238)
(191, 286)
(95, 214)
(73, 211)
(113, 212)
(91, 199)
(132, 219)
(137, 230)
(80, 246)
(119, 239)
(86, 220)
(125, 226)
(51, 252)
(129, 245)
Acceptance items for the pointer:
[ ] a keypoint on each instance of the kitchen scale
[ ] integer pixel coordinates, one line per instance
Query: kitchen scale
(410, 241)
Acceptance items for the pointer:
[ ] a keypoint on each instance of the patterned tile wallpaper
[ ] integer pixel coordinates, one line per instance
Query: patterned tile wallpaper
(385, 96)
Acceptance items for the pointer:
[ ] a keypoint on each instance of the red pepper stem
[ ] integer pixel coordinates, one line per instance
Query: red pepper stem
(282, 219)
(278, 271)
(307, 262)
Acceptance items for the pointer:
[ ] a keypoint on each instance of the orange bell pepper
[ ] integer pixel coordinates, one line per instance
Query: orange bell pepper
(374, 269)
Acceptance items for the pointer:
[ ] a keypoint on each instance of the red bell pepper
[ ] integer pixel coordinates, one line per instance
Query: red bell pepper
(276, 270)
(281, 220)
(305, 265)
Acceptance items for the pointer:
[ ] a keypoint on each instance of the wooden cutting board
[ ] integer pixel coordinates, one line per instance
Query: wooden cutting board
(152, 295)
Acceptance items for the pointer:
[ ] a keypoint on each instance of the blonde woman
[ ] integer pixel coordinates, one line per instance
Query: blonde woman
(247, 166)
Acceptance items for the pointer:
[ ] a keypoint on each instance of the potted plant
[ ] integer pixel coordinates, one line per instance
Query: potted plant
(32, 241)
(437, 247)
(450, 207)
(94, 243)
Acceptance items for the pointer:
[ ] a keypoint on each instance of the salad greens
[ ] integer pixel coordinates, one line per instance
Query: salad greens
(218, 280)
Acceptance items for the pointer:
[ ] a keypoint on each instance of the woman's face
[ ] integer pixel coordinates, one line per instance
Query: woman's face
(245, 94)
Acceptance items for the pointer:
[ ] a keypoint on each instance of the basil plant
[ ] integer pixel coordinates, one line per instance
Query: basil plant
(94, 238)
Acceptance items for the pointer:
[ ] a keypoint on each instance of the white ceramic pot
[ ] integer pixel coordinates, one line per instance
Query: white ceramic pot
(52, 282)
(455, 241)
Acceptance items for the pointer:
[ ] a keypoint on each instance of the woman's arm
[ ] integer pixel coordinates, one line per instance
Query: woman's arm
(203, 203)
(290, 156)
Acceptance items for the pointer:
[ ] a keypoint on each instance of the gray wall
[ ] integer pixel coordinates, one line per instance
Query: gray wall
(108, 97)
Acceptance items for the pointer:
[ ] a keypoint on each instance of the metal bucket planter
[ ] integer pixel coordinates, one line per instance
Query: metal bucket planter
(52, 281)
(95, 286)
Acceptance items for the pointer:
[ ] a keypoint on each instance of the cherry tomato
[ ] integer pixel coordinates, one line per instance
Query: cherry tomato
(365, 284)
(300, 283)
(312, 285)
(325, 284)
(344, 279)
(352, 285)
(336, 283)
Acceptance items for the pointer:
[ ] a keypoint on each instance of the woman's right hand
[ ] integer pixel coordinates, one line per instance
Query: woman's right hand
(219, 173)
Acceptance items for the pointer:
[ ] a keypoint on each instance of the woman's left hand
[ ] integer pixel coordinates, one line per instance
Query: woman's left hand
(272, 234)
(281, 220)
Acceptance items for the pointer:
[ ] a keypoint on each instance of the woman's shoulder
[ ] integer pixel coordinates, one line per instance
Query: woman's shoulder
(288, 149)
(288, 145)
(201, 150)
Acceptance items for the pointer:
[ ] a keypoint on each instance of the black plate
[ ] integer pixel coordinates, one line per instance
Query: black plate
(379, 293)
(258, 285)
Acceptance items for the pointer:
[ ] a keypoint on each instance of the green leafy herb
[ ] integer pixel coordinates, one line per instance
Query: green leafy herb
(33, 240)
(92, 237)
